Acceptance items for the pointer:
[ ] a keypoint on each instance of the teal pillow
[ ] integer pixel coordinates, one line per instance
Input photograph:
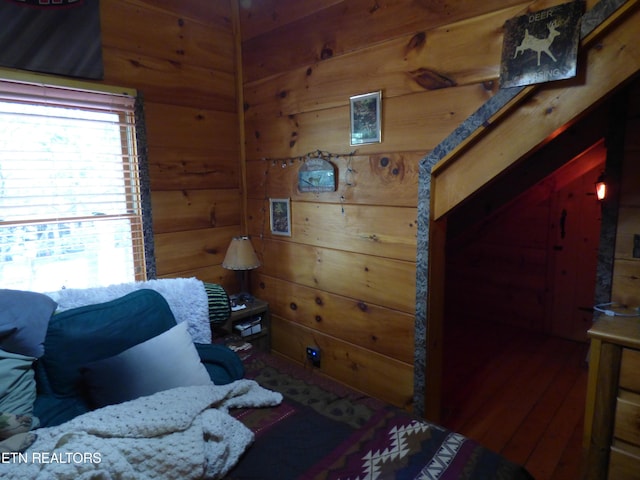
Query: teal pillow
(81, 335)
(223, 364)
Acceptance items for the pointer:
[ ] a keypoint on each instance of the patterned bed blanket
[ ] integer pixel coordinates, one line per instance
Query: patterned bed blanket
(183, 433)
(323, 430)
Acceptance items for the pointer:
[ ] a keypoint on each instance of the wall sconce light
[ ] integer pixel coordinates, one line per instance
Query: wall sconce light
(601, 188)
(242, 258)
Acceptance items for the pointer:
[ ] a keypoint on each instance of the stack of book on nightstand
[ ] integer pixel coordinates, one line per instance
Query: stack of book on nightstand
(249, 327)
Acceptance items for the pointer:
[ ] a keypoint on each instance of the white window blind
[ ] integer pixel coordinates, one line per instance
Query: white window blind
(70, 213)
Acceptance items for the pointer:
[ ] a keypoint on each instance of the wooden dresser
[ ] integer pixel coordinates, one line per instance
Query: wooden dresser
(612, 415)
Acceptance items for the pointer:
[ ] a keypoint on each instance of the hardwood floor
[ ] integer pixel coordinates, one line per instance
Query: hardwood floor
(519, 393)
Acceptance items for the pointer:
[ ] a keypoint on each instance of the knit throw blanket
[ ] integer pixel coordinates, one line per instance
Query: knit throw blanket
(182, 433)
(186, 297)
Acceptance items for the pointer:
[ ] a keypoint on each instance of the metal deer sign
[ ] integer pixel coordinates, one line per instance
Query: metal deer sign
(541, 46)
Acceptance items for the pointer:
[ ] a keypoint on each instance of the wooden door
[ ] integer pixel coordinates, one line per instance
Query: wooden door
(573, 240)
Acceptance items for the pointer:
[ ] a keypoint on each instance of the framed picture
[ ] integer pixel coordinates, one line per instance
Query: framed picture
(366, 115)
(280, 215)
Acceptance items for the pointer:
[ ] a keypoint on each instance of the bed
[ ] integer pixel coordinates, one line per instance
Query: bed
(133, 387)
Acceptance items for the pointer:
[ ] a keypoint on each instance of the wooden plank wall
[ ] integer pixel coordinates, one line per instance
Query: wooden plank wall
(345, 279)
(181, 56)
(626, 268)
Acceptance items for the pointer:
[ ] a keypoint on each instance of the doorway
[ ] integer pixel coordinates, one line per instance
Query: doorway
(529, 261)
(520, 274)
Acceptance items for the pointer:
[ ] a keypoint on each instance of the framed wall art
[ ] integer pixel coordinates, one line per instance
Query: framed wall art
(280, 216)
(366, 118)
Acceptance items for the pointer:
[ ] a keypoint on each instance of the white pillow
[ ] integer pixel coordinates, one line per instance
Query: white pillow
(166, 361)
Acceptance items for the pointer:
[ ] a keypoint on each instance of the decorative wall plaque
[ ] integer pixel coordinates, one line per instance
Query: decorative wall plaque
(541, 46)
(317, 175)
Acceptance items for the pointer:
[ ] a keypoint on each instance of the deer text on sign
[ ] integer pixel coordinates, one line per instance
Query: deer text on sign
(543, 15)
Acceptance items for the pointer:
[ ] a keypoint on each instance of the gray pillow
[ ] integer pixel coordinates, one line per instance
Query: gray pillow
(24, 317)
(17, 383)
(166, 361)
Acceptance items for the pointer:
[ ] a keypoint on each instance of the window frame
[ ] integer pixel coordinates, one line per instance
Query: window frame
(70, 92)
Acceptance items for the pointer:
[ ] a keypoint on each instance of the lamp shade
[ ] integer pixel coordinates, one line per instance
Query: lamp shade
(240, 255)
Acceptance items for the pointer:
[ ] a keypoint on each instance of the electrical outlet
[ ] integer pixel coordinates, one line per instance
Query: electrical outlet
(313, 354)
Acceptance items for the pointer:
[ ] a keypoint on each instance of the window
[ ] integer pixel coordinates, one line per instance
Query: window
(70, 207)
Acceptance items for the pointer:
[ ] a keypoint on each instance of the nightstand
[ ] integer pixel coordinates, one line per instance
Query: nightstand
(612, 428)
(251, 324)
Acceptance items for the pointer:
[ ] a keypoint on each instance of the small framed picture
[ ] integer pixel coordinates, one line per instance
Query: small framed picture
(280, 215)
(366, 118)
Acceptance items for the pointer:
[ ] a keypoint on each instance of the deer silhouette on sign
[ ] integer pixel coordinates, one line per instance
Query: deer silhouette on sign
(539, 45)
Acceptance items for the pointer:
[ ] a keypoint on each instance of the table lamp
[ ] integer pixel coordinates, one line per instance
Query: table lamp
(241, 257)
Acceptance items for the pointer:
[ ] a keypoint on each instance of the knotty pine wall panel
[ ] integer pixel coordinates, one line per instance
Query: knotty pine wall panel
(355, 366)
(179, 210)
(382, 281)
(272, 14)
(406, 125)
(372, 327)
(194, 128)
(626, 282)
(627, 228)
(374, 230)
(206, 11)
(191, 249)
(179, 84)
(181, 56)
(343, 27)
(464, 53)
(175, 168)
(626, 268)
(390, 180)
(174, 33)
(435, 63)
